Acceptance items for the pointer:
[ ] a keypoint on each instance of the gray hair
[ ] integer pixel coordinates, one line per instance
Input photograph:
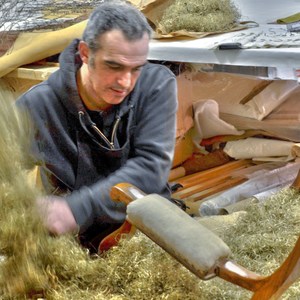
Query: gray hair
(112, 15)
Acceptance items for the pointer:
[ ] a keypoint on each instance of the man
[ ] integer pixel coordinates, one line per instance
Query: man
(106, 116)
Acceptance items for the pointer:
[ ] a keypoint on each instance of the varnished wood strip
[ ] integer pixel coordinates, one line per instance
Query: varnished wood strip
(218, 188)
(193, 188)
(204, 175)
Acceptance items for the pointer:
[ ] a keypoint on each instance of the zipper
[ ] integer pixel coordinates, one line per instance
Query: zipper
(109, 143)
(114, 131)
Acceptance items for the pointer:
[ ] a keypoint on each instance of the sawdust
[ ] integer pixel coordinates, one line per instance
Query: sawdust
(37, 265)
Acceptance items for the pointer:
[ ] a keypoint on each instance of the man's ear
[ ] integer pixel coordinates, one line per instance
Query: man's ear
(84, 51)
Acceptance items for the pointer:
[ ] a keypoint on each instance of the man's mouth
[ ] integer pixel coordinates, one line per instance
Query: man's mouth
(119, 92)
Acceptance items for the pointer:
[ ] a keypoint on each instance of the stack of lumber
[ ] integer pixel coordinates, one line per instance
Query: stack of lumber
(202, 184)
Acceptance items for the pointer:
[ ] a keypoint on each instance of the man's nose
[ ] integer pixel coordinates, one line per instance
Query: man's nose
(125, 80)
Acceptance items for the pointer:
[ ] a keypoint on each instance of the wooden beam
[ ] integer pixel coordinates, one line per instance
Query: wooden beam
(34, 72)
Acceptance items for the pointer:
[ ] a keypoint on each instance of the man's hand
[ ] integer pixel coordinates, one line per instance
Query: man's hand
(57, 215)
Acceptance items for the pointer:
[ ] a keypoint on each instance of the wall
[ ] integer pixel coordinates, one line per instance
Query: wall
(266, 11)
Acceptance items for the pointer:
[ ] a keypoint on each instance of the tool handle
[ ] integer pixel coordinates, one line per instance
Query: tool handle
(230, 46)
(125, 192)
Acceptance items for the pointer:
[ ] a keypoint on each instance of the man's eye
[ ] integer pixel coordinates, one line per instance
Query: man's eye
(114, 67)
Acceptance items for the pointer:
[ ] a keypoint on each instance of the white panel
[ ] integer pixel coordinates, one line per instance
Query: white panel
(266, 11)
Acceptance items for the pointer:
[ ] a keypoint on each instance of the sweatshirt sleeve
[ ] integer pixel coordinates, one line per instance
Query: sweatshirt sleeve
(153, 148)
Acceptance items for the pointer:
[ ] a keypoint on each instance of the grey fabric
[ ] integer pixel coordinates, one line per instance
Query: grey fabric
(76, 163)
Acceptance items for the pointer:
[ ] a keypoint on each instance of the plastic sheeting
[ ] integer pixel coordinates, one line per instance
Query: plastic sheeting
(279, 177)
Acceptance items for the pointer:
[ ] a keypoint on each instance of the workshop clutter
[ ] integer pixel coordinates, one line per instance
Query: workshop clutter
(34, 265)
(236, 125)
(177, 18)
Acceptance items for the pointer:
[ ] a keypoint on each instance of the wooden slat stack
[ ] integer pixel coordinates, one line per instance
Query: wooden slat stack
(200, 185)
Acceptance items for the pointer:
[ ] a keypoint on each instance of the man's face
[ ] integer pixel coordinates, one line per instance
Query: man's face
(110, 74)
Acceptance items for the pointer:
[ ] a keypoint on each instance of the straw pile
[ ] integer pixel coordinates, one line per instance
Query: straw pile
(37, 265)
(199, 16)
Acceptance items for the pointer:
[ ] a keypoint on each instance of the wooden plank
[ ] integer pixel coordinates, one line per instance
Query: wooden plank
(203, 180)
(196, 187)
(216, 189)
(213, 172)
(34, 72)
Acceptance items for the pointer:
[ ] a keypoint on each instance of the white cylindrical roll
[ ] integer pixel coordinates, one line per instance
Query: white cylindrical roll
(195, 246)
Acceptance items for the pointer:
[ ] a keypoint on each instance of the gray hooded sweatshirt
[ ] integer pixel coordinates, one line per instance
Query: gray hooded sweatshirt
(82, 165)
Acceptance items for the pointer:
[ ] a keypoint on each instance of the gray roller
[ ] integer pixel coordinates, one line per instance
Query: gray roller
(195, 246)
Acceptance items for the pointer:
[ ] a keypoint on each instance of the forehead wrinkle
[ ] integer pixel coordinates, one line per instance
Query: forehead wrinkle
(121, 64)
(112, 40)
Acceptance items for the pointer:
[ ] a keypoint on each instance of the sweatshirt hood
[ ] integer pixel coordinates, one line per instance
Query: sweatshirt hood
(64, 84)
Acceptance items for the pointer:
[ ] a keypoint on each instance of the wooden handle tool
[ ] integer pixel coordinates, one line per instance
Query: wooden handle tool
(123, 192)
(197, 248)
